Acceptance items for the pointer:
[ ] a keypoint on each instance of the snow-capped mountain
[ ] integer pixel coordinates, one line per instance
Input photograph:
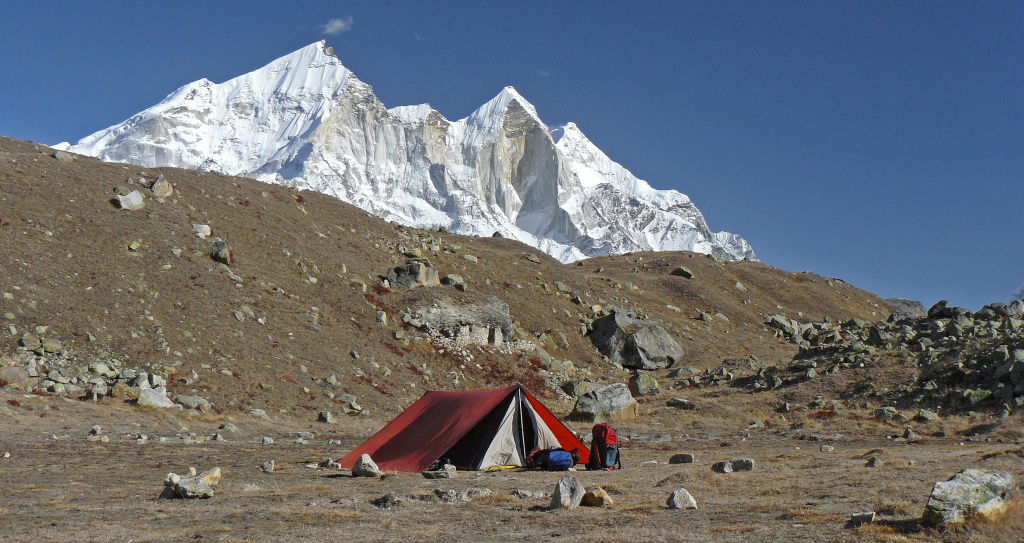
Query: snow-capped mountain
(307, 121)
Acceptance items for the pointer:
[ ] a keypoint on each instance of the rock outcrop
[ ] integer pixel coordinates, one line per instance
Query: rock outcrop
(634, 343)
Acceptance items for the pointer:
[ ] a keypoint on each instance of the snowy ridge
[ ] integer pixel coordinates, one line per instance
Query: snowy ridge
(305, 120)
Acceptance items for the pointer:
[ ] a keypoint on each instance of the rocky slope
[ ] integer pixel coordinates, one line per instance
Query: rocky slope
(257, 296)
(306, 121)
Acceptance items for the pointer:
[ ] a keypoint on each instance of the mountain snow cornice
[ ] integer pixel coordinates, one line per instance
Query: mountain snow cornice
(305, 120)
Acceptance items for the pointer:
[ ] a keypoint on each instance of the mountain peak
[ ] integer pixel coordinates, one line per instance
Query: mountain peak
(305, 120)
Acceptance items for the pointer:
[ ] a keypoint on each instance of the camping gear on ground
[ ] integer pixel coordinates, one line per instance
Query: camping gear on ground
(475, 429)
(604, 448)
(553, 459)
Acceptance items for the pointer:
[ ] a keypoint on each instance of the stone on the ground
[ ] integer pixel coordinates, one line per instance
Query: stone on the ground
(682, 272)
(220, 252)
(969, 494)
(681, 498)
(680, 403)
(63, 156)
(722, 467)
(926, 415)
(193, 402)
(873, 462)
(326, 417)
(202, 231)
(416, 272)
(568, 493)
(154, 397)
(386, 501)
(865, 517)
(191, 486)
(267, 467)
(606, 404)
(162, 188)
(903, 309)
(642, 383)
(683, 458)
(634, 343)
(446, 472)
(365, 467)
(132, 201)
(454, 280)
(742, 464)
(267, 440)
(597, 498)
(578, 388)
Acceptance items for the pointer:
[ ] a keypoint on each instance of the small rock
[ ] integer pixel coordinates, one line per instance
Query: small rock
(131, 201)
(680, 403)
(682, 272)
(326, 417)
(220, 252)
(446, 472)
(866, 517)
(684, 458)
(722, 467)
(597, 498)
(202, 231)
(742, 464)
(192, 486)
(266, 440)
(386, 501)
(154, 397)
(827, 448)
(267, 467)
(873, 462)
(681, 499)
(568, 493)
(162, 188)
(365, 467)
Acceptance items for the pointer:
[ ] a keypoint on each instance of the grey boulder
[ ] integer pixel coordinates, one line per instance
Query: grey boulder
(608, 403)
(634, 343)
(568, 493)
(969, 494)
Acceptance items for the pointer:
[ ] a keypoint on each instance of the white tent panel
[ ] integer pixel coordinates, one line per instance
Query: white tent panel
(545, 437)
(506, 444)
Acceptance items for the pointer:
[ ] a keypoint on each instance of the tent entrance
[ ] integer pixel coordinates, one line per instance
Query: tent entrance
(504, 437)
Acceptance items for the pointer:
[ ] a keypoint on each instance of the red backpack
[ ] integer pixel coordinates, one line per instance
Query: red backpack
(604, 448)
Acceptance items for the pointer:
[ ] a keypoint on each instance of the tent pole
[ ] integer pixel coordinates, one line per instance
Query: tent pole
(522, 430)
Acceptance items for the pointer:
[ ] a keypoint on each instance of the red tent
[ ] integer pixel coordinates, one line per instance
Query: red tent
(477, 429)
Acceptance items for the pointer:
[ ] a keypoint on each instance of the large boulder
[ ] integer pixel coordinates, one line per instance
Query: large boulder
(606, 404)
(416, 272)
(634, 343)
(969, 494)
(905, 309)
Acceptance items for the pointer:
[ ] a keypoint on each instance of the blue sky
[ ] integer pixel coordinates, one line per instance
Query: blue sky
(880, 143)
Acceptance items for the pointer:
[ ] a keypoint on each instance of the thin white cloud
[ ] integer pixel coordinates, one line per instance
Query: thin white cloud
(417, 36)
(337, 25)
(544, 73)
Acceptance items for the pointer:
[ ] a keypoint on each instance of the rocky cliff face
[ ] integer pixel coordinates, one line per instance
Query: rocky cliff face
(305, 120)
